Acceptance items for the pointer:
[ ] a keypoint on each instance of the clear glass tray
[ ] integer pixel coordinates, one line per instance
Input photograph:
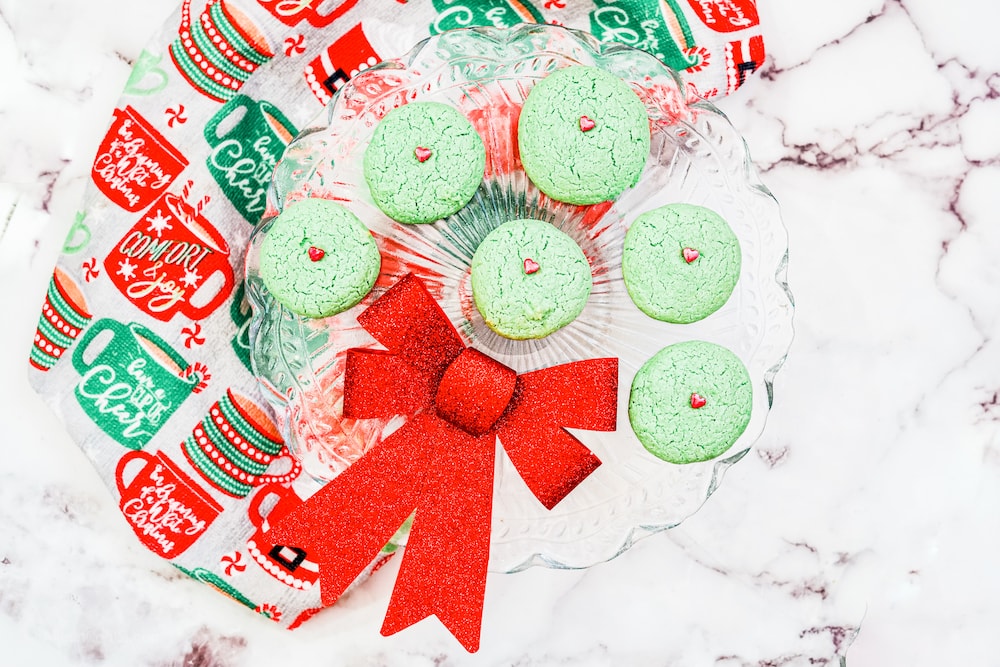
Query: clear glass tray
(696, 157)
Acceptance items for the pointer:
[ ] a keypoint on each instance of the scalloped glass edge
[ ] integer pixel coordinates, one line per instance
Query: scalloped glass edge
(281, 392)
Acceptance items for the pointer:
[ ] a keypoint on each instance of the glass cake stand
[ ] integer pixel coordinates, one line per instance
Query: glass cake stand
(696, 157)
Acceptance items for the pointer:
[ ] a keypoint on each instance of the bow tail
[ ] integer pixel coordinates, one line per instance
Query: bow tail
(345, 524)
(444, 567)
(551, 461)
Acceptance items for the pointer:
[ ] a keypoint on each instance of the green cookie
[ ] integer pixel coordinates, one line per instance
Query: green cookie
(583, 135)
(662, 406)
(529, 279)
(680, 263)
(318, 259)
(425, 162)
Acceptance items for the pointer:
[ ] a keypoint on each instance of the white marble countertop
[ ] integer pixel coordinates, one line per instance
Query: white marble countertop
(862, 525)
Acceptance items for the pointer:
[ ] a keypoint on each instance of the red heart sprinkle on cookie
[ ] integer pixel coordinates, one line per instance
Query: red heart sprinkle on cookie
(423, 154)
(316, 254)
(698, 401)
(530, 266)
(690, 254)
(586, 124)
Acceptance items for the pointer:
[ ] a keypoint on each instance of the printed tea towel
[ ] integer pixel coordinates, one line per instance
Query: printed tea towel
(142, 345)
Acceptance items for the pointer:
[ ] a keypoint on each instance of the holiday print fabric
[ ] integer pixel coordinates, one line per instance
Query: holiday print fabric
(147, 298)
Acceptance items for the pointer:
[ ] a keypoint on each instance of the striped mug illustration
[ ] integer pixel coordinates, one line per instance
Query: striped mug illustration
(64, 315)
(220, 49)
(234, 445)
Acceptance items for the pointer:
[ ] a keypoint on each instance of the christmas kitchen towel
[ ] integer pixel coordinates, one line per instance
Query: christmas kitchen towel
(142, 346)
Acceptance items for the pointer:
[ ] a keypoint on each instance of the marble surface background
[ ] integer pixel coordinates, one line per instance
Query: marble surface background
(862, 527)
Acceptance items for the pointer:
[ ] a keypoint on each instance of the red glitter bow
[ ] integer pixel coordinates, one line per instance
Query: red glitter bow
(440, 463)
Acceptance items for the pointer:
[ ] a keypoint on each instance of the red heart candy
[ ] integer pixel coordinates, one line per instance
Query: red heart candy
(698, 401)
(690, 254)
(316, 254)
(586, 124)
(423, 154)
(530, 266)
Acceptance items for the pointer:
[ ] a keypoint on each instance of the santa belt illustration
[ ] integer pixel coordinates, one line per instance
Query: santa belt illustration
(280, 562)
(440, 463)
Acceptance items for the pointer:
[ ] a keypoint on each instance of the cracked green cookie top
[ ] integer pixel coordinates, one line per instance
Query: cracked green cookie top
(680, 262)
(425, 162)
(529, 279)
(583, 135)
(690, 402)
(318, 259)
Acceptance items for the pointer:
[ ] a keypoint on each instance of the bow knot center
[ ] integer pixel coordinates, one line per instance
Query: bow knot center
(474, 392)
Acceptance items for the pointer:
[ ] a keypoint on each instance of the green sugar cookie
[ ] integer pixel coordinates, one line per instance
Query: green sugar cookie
(318, 259)
(529, 279)
(690, 402)
(583, 135)
(425, 162)
(680, 263)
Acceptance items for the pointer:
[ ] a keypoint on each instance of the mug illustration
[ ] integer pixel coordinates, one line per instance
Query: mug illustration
(658, 27)
(146, 77)
(239, 311)
(167, 510)
(233, 445)
(219, 51)
(288, 564)
(726, 15)
(219, 584)
(340, 62)
(172, 261)
(247, 139)
(64, 315)
(135, 164)
(291, 565)
(134, 384)
(293, 12)
(454, 14)
(78, 236)
(739, 63)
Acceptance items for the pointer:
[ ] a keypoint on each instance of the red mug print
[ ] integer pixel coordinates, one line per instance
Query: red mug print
(172, 261)
(135, 164)
(288, 564)
(726, 15)
(740, 61)
(167, 510)
(340, 62)
(293, 12)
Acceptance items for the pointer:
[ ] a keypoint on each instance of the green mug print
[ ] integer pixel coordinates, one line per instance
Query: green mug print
(146, 77)
(78, 236)
(239, 312)
(247, 139)
(133, 385)
(655, 26)
(454, 14)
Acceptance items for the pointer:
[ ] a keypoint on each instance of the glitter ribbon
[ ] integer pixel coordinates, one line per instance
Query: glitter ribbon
(441, 461)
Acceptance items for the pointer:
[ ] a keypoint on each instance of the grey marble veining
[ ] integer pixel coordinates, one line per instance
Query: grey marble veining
(862, 524)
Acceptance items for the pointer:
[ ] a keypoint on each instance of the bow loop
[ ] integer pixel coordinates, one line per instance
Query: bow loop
(378, 383)
(412, 325)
